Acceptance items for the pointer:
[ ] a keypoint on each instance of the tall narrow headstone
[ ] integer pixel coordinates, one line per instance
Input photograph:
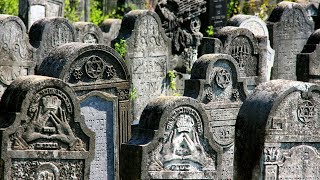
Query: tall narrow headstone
(260, 30)
(88, 32)
(48, 33)
(289, 28)
(216, 82)
(16, 52)
(32, 10)
(277, 132)
(101, 80)
(43, 135)
(173, 143)
(148, 55)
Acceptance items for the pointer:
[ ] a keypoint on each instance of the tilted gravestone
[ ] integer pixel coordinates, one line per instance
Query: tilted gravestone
(277, 132)
(289, 28)
(110, 29)
(88, 32)
(43, 135)
(32, 10)
(260, 30)
(308, 61)
(101, 80)
(148, 55)
(16, 52)
(48, 33)
(173, 143)
(243, 46)
(216, 83)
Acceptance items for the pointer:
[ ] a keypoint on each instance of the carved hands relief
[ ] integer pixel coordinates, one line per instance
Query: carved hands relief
(241, 49)
(182, 147)
(48, 125)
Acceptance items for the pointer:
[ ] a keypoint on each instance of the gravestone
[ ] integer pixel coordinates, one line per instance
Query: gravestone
(16, 52)
(260, 30)
(48, 33)
(277, 132)
(100, 79)
(216, 83)
(32, 10)
(307, 61)
(173, 143)
(110, 29)
(45, 136)
(216, 15)
(88, 32)
(243, 46)
(148, 55)
(289, 28)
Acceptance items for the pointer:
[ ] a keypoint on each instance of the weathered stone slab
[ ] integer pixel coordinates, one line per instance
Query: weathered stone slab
(215, 82)
(173, 143)
(101, 80)
(260, 30)
(32, 10)
(277, 132)
(16, 52)
(48, 33)
(148, 55)
(110, 29)
(88, 32)
(43, 135)
(289, 28)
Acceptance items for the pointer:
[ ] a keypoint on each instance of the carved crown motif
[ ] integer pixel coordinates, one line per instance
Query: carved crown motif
(51, 102)
(184, 123)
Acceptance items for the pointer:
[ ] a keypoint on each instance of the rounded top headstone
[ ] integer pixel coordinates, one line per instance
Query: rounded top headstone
(88, 32)
(84, 63)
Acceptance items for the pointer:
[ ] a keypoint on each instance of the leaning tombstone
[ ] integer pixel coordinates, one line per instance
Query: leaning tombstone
(216, 82)
(260, 30)
(32, 10)
(308, 67)
(173, 143)
(43, 135)
(289, 28)
(110, 29)
(88, 32)
(101, 81)
(243, 46)
(48, 33)
(148, 54)
(277, 132)
(16, 52)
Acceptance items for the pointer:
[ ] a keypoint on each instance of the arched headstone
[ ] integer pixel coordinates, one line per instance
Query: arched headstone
(48, 33)
(260, 30)
(277, 132)
(289, 28)
(16, 52)
(101, 80)
(216, 82)
(88, 32)
(148, 55)
(173, 143)
(43, 134)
